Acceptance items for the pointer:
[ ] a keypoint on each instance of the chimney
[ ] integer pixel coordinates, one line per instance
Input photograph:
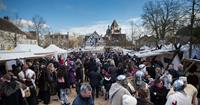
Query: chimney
(6, 18)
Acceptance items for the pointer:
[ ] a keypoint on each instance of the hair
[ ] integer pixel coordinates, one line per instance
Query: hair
(85, 87)
(50, 65)
(7, 76)
(143, 93)
(158, 70)
(157, 81)
(25, 65)
(61, 71)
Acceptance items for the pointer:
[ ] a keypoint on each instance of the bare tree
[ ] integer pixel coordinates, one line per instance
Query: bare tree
(18, 22)
(193, 11)
(161, 16)
(38, 26)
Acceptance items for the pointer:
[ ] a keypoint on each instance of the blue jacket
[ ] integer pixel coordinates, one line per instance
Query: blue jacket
(80, 101)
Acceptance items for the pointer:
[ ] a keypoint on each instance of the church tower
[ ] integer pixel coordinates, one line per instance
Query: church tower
(115, 28)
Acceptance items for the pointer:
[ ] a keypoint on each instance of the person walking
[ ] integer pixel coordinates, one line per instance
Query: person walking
(95, 79)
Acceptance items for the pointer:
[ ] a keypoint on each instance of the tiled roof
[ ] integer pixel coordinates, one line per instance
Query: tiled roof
(6, 25)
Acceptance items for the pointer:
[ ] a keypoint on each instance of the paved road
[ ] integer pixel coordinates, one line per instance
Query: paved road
(72, 95)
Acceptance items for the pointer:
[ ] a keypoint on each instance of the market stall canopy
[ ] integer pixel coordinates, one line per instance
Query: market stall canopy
(93, 49)
(54, 48)
(149, 53)
(145, 48)
(35, 49)
(5, 55)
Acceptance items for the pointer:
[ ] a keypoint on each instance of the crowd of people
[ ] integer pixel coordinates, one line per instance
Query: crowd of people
(123, 80)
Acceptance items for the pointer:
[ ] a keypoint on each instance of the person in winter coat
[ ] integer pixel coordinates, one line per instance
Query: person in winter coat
(192, 78)
(86, 68)
(120, 69)
(189, 89)
(167, 78)
(47, 81)
(71, 73)
(62, 60)
(62, 85)
(158, 72)
(151, 71)
(107, 84)
(179, 97)
(95, 82)
(112, 70)
(28, 77)
(181, 71)
(118, 90)
(92, 65)
(143, 97)
(173, 72)
(138, 81)
(11, 91)
(85, 96)
(158, 93)
(79, 75)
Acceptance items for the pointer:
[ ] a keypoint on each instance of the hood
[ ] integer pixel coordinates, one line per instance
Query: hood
(114, 88)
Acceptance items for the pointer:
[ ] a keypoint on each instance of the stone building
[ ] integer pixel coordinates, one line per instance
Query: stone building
(11, 35)
(58, 39)
(145, 40)
(114, 37)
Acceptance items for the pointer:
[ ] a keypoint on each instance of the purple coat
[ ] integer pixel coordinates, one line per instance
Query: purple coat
(72, 76)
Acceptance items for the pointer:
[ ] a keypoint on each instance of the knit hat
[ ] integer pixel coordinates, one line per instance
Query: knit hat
(121, 77)
(178, 85)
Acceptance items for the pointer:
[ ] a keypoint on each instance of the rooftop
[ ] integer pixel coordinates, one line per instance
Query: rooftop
(6, 25)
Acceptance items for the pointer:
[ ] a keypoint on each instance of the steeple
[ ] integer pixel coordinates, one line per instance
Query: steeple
(114, 24)
(115, 28)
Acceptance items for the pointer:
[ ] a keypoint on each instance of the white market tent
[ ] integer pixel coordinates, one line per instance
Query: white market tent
(145, 48)
(16, 55)
(149, 53)
(93, 49)
(35, 49)
(57, 50)
(24, 51)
